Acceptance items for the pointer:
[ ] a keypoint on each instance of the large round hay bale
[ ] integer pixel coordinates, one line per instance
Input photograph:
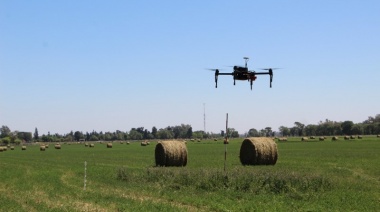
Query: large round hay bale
(109, 145)
(23, 148)
(42, 148)
(346, 137)
(171, 153)
(335, 138)
(304, 139)
(258, 151)
(12, 148)
(322, 138)
(57, 146)
(92, 145)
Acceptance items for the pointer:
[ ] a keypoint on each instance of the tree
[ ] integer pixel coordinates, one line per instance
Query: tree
(253, 133)
(268, 131)
(5, 131)
(300, 127)
(78, 135)
(284, 131)
(35, 135)
(154, 132)
(346, 127)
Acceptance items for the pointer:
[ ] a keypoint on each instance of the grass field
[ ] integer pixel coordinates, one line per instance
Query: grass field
(308, 176)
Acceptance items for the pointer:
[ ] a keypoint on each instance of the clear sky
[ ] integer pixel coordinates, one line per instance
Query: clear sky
(113, 65)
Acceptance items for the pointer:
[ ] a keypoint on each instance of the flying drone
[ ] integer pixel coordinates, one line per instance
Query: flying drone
(242, 73)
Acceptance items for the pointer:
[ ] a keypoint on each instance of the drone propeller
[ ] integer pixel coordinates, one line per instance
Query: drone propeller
(270, 72)
(216, 75)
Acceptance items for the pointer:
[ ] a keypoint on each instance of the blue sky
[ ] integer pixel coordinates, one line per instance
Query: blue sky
(114, 65)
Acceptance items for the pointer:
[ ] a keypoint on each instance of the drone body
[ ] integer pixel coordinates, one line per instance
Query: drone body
(242, 73)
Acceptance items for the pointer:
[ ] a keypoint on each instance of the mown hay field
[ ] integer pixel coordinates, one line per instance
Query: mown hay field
(327, 175)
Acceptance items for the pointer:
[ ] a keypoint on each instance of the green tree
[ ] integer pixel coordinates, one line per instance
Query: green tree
(284, 131)
(35, 135)
(4, 131)
(253, 133)
(346, 127)
(154, 132)
(300, 128)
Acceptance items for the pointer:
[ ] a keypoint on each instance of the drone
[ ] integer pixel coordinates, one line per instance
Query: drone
(242, 73)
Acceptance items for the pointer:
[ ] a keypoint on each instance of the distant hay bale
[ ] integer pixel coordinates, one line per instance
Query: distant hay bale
(23, 148)
(335, 138)
(378, 136)
(5, 148)
(192, 140)
(121, 142)
(304, 139)
(46, 146)
(282, 139)
(346, 137)
(12, 148)
(57, 146)
(312, 137)
(171, 153)
(352, 137)
(109, 145)
(86, 144)
(258, 151)
(42, 148)
(144, 143)
(128, 142)
(215, 139)
(322, 138)
(360, 136)
(92, 145)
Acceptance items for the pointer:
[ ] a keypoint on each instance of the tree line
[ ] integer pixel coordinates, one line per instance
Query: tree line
(370, 126)
(183, 131)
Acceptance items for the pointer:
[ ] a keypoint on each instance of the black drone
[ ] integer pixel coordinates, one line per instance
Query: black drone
(242, 73)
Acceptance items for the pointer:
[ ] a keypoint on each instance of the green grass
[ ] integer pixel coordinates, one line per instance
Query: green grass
(308, 176)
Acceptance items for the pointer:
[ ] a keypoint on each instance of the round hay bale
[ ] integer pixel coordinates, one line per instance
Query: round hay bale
(92, 145)
(346, 137)
(258, 151)
(46, 146)
(322, 138)
(352, 137)
(12, 148)
(85, 144)
(5, 148)
(57, 146)
(335, 138)
(304, 139)
(171, 153)
(1, 149)
(128, 142)
(144, 143)
(312, 137)
(378, 136)
(360, 136)
(23, 148)
(282, 139)
(42, 148)
(109, 145)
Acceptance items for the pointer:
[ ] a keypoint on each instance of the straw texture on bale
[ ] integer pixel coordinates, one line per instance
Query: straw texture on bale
(258, 151)
(57, 146)
(42, 148)
(92, 145)
(171, 153)
(304, 139)
(23, 148)
(109, 145)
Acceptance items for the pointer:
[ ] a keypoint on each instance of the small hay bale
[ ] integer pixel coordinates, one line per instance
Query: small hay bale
(312, 137)
(46, 146)
(360, 136)
(258, 151)
(92, 145)
(335, 138)
(215, 139)
(378, 136)
(109, 145)
(352, 137)
(23, 148)
(42, 148)
(57, 146)
(12, 148)
(5, 148)
(171, 153)
(304, 139)
(128, 142)
(144, 143)
(322, 138)
(85, 144)
(282, 139)
(121, 142)
(346, 137)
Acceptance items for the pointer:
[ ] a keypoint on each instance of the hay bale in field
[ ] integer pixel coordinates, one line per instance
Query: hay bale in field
(378, 136)
(85, 144)
(304, 139)
(5, 148)
(42, 148)
(352, 137)
(109, 145)
(258, 151)
(128, 142)
(322, 138)
(171, 153)
(57, 146)
(144, 143)
(1, 149)
(335, 138)
(282, 139)
(215, 139)
(346, 137)
(92, 145)
(46, 146)
(121, 142)
(360, 136)
(23, 148)
(312, 137)
(12, 148)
